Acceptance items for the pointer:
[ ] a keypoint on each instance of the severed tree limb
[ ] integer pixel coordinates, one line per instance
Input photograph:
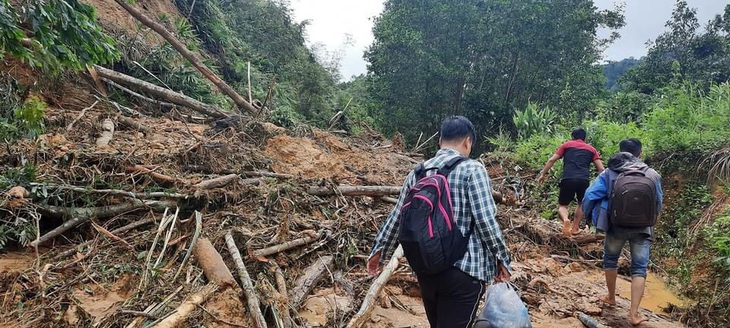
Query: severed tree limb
(82, 214)
(189, 55)
(138, 95)
(83, 111)
(251, 296)
(363, 314)
(130, 123)
(169, 95)
(186, 308)
(309, 279)
(125, 228)
(212, 263)
(285, 246)
(157, 176)
(107, 133)
(283, 303)
(372, 191)
(216, 182)
(114, 192)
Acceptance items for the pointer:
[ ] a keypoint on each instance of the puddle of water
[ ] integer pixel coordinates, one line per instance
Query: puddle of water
(656, 294)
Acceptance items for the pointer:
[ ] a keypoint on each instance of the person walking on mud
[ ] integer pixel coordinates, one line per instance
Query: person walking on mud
(452, 275)
(577, 157)
(625, 202)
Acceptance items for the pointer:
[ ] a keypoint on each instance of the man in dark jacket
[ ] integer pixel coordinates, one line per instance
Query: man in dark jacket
(596, 207)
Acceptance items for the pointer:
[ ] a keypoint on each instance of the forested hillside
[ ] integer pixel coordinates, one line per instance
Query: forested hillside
(115, 113)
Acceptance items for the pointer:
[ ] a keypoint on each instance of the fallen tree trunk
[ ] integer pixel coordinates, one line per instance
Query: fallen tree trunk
(82, 214)
(169, 95)
(373, 191)
(180, 315)
(363, 314)
(308, 280)
(212, 263)
(107, 133)
(285, 246)
(216, 182)
(189, 55)
(132, 124)
(254, 306)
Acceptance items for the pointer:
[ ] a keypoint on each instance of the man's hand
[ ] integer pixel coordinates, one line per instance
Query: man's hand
(374, 264)
(503, 274)
(541, 179)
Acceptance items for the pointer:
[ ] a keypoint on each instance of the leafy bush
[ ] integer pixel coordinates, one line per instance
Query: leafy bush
(536, 150)
(605, 136)
(718, 237)
(688, 118)
(534, 120)
(26, 121)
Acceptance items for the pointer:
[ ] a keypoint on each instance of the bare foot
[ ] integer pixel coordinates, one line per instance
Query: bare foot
(567, 226)
(576, 232)
(608, 300)
(636, 319)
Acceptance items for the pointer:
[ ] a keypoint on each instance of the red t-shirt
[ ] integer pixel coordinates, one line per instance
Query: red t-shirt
(577, 158)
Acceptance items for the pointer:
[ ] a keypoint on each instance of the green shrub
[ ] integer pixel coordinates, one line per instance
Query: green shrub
(605, 136)
(536, 150)
(27, 120)
(534, 120)
(691, 119)
(718, 238)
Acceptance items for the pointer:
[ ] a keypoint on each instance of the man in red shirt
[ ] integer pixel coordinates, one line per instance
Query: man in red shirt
(577, 157)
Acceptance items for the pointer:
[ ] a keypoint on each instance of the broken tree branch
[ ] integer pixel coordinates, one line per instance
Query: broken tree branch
(83, 111)
(125, 228)
(107, 133)
(189, 55)
(138, 95)
(363, 314)
(169, 95)
(187, 307)
(283, 303)
(157, 176)
(130, 123)
(285, 246)
(212, 263)
(308, 280)
(112, 192)
(82, 214)
(216, 182)
(246, 284)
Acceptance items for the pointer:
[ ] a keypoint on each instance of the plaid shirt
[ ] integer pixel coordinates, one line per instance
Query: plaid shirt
(472, 200)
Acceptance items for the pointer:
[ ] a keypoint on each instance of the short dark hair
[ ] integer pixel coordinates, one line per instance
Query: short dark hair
(578, 133)
(631, 145)
(457, 127)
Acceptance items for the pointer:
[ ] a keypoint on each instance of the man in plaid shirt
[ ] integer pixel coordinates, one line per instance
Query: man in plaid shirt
(451, 297)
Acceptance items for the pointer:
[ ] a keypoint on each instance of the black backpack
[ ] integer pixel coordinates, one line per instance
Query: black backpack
(431, 241)
(633, 200)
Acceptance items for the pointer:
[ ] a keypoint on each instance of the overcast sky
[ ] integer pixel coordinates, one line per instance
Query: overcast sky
(345, 26)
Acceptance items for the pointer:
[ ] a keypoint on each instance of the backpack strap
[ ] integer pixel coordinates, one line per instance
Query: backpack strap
(451, 165)
(419, 171)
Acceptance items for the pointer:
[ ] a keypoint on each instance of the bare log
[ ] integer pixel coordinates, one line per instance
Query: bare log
(309, 279)
(285, 246)
(248, 289)
(212, 263)
(138, 95)
(189, 55)
(107, 133)
(113, 192)
(82, 214)
(283, 302)
(371, 297)
(180, 315)
(169, 95)
(216, 182)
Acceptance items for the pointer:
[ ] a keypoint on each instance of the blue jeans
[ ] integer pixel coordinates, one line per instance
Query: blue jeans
(639, 242)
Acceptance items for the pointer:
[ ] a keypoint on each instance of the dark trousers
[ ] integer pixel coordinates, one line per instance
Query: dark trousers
(450, 298)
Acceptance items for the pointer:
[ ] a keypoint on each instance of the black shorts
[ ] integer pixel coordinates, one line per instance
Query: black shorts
(571, 189)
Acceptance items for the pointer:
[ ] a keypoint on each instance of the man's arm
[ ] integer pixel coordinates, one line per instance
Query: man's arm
(594, 195)
(484, 212)
(551, 161)
(599, 165)
(386, 240)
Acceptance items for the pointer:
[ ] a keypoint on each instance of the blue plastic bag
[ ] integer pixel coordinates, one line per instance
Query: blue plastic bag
(503, 309)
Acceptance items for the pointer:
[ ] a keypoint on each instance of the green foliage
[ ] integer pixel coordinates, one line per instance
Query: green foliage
(614, 70)
(482, 59)
(688, 118)
(625, 107)
(26, 120)
(718, 237)
(685, 52)
(537, 149)
(53, 34)
(534, 120)
(605, 136)
(18, 176)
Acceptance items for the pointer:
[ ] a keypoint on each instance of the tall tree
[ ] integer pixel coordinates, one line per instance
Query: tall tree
(484, 59)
